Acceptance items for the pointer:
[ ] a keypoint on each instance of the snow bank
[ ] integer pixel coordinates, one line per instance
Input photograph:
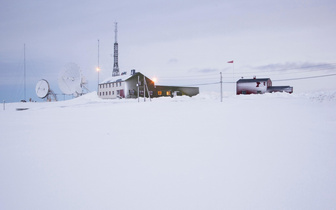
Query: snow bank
(271, 151)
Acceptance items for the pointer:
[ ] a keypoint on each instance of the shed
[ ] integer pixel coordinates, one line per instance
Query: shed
(253, 86)
(260, 86)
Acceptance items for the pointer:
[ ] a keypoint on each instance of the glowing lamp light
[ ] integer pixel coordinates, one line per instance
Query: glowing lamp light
(98, 69)
(154, 80)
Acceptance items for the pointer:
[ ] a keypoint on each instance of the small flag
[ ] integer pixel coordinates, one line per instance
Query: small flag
(230, 61)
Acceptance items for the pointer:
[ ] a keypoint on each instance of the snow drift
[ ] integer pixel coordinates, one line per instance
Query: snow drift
(272, 151)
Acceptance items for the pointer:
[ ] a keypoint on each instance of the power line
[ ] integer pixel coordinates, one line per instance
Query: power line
(200, 84)
(312, 77)
(290, 79)
(212, 83)
(290, 73)
(215, 78)
(311, 68)
(302, 69)
(210, 76)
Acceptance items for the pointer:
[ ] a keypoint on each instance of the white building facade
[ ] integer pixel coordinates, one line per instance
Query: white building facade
(114, 87)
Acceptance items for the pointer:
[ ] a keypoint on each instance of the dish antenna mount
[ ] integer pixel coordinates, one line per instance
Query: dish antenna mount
(43, 90)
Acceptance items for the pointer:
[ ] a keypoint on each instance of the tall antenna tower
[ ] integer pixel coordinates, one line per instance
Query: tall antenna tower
(115, 71)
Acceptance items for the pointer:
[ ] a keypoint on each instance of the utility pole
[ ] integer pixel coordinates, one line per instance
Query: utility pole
(98, 69)
(148, 91)
(233, 75)
(144, 88)
(98, 53)
(138, 88)
(221, 86)
(24, 69)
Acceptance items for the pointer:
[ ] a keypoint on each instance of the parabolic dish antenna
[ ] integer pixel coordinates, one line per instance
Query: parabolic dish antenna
(70, 80)
(42, 88)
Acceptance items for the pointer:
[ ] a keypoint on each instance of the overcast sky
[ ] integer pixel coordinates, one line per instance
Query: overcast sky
(180, 42)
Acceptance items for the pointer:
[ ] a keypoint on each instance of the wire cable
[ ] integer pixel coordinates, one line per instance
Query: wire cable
(301, 78)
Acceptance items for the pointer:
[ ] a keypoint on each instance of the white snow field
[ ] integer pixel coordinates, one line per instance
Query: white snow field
(271, 151)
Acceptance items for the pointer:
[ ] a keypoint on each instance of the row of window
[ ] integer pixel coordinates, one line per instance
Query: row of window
(142, 92)
(110, 85)
(108, 93)
(132, 92)
(167, 93)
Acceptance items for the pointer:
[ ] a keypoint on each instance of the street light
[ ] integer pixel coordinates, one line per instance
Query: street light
(154, 81)
(98, 70)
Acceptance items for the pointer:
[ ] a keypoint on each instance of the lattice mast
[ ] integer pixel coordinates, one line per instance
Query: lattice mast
(115, 71)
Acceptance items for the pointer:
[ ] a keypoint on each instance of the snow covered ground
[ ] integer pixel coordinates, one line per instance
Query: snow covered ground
(272, 151)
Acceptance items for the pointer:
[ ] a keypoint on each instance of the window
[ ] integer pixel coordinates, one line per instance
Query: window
(160, 93)
(103, 93)
(117, 84)
(258, 83)
(106, 92)
(168, 93)
(118, 92)
(110, 93)
(99, 93)
(110, 86)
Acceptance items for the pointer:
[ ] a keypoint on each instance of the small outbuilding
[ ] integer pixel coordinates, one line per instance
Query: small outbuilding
(259, 86)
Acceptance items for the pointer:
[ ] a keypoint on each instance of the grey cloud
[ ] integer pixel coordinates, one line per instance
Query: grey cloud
(207, 70)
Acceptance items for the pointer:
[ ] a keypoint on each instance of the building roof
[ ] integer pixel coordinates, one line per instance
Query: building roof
(253, 80)
(121, 78)
(116, 79)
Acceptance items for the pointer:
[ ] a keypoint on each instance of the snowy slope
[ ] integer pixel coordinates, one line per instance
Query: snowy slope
(272, 151)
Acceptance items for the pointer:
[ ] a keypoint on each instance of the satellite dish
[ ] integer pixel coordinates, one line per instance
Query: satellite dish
(43, 90)
(70, 80)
